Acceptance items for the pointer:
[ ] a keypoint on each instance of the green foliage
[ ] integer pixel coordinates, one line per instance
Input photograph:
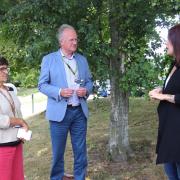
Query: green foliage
(28, 30)
(134, 30)
(27, 78)
(6, 5)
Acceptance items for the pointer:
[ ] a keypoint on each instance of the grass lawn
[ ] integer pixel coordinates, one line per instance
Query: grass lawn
(142, 132)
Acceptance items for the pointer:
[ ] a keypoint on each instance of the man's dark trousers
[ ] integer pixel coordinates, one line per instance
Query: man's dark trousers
(76, 123)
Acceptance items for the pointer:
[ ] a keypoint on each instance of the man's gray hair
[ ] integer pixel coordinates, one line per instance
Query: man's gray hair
(61, 30)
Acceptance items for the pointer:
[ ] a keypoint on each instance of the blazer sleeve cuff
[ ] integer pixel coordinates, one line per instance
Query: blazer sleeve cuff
(59, 97)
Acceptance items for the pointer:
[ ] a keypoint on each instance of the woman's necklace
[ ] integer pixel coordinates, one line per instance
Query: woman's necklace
(10, 100)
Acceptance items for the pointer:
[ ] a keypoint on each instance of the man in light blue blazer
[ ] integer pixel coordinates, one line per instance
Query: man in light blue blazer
(66, 80)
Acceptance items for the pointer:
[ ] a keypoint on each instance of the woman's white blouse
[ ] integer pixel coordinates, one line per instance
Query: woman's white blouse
(8, 133)
(167, 80)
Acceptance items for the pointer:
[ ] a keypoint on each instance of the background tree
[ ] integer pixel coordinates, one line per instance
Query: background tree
(114, 35)
(132, 24)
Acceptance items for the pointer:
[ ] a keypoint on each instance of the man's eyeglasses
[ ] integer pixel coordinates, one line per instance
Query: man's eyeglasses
(74, 40)
(3, 69)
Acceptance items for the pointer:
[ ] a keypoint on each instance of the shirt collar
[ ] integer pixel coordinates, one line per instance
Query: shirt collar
(72, 57)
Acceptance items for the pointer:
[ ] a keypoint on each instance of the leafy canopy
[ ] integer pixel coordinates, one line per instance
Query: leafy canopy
(29, 27)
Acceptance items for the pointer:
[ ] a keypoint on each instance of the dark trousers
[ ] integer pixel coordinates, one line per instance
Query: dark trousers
(172, 171)
(74, 122)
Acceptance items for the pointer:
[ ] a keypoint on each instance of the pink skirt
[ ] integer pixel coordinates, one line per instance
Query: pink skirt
(11, 163)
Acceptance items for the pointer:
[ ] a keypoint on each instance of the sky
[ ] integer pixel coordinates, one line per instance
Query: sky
(163, 34)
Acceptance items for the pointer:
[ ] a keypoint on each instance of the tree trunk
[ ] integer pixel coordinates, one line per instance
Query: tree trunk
(119, 141)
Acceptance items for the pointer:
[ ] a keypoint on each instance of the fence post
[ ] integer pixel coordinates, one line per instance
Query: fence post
(32, 96)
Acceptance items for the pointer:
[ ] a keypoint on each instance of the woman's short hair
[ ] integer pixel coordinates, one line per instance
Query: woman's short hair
(3, 61)
(61, 30)
(174, 38)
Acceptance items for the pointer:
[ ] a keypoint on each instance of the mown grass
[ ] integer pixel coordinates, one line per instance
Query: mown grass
(142, 135)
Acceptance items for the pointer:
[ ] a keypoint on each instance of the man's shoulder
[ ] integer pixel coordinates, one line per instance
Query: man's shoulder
(51, 57)
(52, 54)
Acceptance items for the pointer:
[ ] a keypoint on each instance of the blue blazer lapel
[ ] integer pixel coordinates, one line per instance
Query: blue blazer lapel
(80, 74)
(60, 62)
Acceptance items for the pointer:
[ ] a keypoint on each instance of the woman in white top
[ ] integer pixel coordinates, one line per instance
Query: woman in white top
(11, 156)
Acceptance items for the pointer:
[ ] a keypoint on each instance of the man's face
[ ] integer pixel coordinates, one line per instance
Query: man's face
(3, 73)
(69, 41)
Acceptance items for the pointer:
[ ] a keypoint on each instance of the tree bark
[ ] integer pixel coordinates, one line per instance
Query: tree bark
(119, 147)
(119, 139)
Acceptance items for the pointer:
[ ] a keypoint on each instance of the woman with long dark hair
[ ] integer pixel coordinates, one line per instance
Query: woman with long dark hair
(168, 142)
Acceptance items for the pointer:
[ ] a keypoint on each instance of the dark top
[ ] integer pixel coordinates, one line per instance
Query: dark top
(168, 141)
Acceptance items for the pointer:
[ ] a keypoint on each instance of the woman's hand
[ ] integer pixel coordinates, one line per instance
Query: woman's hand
(158, 89)
(19, 122)
(154, 94)
(24, 125)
